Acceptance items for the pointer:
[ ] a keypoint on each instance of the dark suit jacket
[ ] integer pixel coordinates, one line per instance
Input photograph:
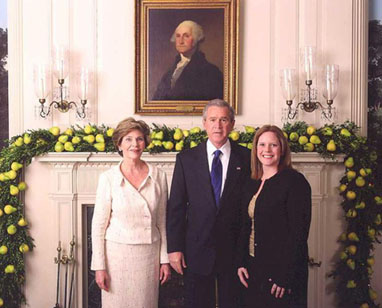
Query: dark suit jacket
(282, 221)
(200, 80)
(207, 236)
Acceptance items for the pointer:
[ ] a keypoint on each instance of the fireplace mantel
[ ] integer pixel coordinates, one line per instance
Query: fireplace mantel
(83, 157)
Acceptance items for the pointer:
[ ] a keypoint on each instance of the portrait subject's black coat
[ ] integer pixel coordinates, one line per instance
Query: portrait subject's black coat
(281, 222)
(207, 236)
(200, 80)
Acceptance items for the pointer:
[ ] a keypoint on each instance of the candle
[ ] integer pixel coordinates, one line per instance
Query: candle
(329, 88)
(84, 83)
(61, 70)
(60, 62)
(42, 88)
(41, 77)
(289, 90)
(308, 66)
(308, 77)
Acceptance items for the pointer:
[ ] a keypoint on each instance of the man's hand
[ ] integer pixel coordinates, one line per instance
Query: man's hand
(164, 273)
(243, 276)
(177, 261)
(102, 279)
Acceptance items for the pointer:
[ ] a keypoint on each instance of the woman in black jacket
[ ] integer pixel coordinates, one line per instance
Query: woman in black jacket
(273, 249)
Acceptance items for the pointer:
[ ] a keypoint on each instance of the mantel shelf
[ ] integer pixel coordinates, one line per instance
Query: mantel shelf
(90, 157)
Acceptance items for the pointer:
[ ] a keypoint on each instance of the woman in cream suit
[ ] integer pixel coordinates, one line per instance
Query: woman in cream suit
(128, 229)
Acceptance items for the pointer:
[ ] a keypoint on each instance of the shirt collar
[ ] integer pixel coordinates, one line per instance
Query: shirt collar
(225, 148)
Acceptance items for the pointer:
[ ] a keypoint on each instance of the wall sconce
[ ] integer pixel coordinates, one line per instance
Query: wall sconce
(42, 77)
(308, 98)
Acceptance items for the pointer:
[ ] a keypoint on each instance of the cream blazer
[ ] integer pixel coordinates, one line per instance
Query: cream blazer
(127, 215)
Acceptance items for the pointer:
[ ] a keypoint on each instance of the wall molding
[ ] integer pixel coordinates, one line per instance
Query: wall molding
(15, 67)
(359, 71)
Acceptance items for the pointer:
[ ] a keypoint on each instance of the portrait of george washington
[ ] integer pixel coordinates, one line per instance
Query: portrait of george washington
(188, 61)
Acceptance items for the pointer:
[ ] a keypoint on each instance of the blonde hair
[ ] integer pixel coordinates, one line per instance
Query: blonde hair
(125, 127)
(285, 159)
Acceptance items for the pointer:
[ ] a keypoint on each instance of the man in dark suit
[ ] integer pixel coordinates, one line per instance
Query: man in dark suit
(191, 77)
(203, 212)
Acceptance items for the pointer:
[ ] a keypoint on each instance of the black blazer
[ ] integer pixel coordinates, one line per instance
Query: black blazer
(207, 236)
(200, 80)
(282, 222)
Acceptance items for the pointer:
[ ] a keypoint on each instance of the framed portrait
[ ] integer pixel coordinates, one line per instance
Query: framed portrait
(186, 55)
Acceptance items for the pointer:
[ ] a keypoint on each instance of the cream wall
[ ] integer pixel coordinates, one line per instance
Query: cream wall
(101, 35)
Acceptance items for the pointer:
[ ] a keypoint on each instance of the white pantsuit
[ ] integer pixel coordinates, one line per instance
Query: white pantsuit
(129, 237)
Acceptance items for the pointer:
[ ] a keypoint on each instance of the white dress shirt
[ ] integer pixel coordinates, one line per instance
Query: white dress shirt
(124, 214)
(180, 66)
(224, 158)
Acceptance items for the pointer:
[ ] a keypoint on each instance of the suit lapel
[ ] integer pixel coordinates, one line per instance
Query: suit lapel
(204, 172)
(233, 173)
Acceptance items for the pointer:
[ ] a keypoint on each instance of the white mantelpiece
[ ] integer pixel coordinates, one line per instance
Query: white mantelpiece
(73, 181)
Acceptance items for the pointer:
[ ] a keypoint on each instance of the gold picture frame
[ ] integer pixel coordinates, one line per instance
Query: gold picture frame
(212, 70)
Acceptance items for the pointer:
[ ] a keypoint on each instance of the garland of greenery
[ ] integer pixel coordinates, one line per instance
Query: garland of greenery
(361, 203)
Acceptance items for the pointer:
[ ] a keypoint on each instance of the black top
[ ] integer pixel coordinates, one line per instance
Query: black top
(200, 80)
(282, 221)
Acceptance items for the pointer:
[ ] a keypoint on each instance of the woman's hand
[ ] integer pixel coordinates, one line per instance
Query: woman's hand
(277, 291)
(164, 273)
(102, 279)
(243, 275)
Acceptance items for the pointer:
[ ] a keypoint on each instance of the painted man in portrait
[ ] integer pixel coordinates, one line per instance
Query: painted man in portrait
(191, 77)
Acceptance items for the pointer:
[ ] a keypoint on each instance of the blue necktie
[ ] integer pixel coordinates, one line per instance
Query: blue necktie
(216, 176)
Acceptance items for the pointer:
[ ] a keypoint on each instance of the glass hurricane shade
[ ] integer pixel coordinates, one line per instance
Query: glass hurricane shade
(308, 61)
(288, 82)
(83, 83)
(41, 77)
(330, 81)
(60, 62)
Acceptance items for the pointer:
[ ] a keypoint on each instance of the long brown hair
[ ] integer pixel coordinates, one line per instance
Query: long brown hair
(285, 159)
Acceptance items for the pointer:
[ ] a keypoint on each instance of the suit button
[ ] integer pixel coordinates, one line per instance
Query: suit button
(255, 244)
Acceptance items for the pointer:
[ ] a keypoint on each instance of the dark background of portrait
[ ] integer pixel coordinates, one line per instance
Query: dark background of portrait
(161, 52)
